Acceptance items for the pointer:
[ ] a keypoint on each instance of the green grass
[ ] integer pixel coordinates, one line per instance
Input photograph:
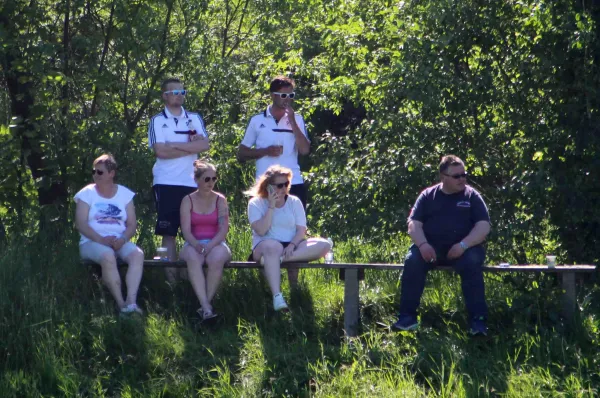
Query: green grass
(60, 336)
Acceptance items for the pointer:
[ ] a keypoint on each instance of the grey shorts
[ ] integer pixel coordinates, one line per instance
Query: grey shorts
(94, 251)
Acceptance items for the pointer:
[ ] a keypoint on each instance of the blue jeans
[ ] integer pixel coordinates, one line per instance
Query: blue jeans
(468, 266)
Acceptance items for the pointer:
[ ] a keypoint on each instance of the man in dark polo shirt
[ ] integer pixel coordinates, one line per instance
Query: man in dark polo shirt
(447, 225)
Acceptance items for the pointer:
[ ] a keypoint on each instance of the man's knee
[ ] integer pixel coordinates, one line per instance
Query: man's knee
(413, 258)
(474, 256)
(472, 259)
(414, 264)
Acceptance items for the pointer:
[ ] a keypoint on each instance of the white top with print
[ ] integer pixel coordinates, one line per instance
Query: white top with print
(106, 216)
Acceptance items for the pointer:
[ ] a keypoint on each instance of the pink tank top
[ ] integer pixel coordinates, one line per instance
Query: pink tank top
(204, 226)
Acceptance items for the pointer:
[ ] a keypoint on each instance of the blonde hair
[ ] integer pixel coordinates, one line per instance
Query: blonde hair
(201, 167)
(260, 187)
(107, 160)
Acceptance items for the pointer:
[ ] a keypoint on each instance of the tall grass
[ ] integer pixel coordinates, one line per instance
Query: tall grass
(60, 335)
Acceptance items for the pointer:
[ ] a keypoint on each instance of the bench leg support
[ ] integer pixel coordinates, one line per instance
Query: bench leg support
(351, 301)
(569, 296)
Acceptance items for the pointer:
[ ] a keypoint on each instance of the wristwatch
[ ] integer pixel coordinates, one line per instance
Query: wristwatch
(463, 245)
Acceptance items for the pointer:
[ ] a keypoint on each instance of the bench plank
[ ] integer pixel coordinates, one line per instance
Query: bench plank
(381, 266)
(352, 288)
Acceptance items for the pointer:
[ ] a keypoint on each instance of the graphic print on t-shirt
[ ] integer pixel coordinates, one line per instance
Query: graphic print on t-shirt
(107, 213)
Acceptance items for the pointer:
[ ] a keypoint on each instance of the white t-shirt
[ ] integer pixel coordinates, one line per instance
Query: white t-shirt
(162, 129)
(264, 131)
(284, 221)
(106, 216)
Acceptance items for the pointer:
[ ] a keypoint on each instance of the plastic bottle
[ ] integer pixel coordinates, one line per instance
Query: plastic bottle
(329, 255)
(161, 254)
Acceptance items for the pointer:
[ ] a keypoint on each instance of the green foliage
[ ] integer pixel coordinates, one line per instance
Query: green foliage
(386, 89)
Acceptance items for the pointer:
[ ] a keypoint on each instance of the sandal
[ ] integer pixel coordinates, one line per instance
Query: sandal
(206, 315)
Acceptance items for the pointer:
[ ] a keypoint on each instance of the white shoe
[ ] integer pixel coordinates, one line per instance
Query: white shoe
(279, 303)
(132, 308)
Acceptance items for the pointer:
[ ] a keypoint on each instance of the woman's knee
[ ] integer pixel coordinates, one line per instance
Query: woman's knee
(271, 248)
(218, 257)
(108, 259)
(135, 257)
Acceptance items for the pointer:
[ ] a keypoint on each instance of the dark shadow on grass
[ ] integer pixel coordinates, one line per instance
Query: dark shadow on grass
(114, 349)
(292, 342)
(526, 336)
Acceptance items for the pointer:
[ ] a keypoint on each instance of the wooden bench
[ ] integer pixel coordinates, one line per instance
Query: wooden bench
(567, 273)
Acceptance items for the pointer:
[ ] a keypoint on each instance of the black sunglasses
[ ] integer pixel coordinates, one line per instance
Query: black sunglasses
(99, 172)
(207, 179)
(457, 176)
(283, 184)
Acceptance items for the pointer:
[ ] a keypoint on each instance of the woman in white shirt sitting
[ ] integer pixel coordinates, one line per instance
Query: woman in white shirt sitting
(278, 224)
(105, 218)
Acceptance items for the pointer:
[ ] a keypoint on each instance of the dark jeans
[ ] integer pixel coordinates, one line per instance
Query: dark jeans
(468, 266)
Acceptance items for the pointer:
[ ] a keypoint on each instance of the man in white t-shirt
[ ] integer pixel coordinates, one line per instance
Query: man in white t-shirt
(277, 135)
(177, 137)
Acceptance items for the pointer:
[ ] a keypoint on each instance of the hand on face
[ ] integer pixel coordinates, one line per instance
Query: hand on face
(273, 197)
(290, 113)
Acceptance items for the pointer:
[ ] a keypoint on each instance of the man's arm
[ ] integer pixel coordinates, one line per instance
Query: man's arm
(180, 149)
(415, 231)
(245, 153)
(478, 233)
(302, 143)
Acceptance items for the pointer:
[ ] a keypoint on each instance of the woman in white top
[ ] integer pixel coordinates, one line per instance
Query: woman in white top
(105, 217)
(278, 226)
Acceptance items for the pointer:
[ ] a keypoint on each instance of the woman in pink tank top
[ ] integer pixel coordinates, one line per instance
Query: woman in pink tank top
(205, 222)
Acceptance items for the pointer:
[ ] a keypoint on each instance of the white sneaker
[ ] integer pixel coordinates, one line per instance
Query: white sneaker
(279, 303)
(132, 308)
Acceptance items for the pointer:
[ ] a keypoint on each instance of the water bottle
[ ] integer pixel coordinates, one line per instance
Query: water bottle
(329, 255)
(161, 254)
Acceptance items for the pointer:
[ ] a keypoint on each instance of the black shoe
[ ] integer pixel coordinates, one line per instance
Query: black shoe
(478, 327)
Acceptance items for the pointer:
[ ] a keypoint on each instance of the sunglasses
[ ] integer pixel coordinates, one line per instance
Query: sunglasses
(176, 92)
(207, 179)
(285, 95)
(283, 184)
(99, 172)
(457, 176)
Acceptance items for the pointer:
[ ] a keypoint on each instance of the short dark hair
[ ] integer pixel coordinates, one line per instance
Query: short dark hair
(107, 160)
(450, 160)
(280, 82)
(163, 85)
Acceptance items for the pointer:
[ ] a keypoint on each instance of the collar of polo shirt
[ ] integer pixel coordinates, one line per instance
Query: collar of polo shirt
(169, 115)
